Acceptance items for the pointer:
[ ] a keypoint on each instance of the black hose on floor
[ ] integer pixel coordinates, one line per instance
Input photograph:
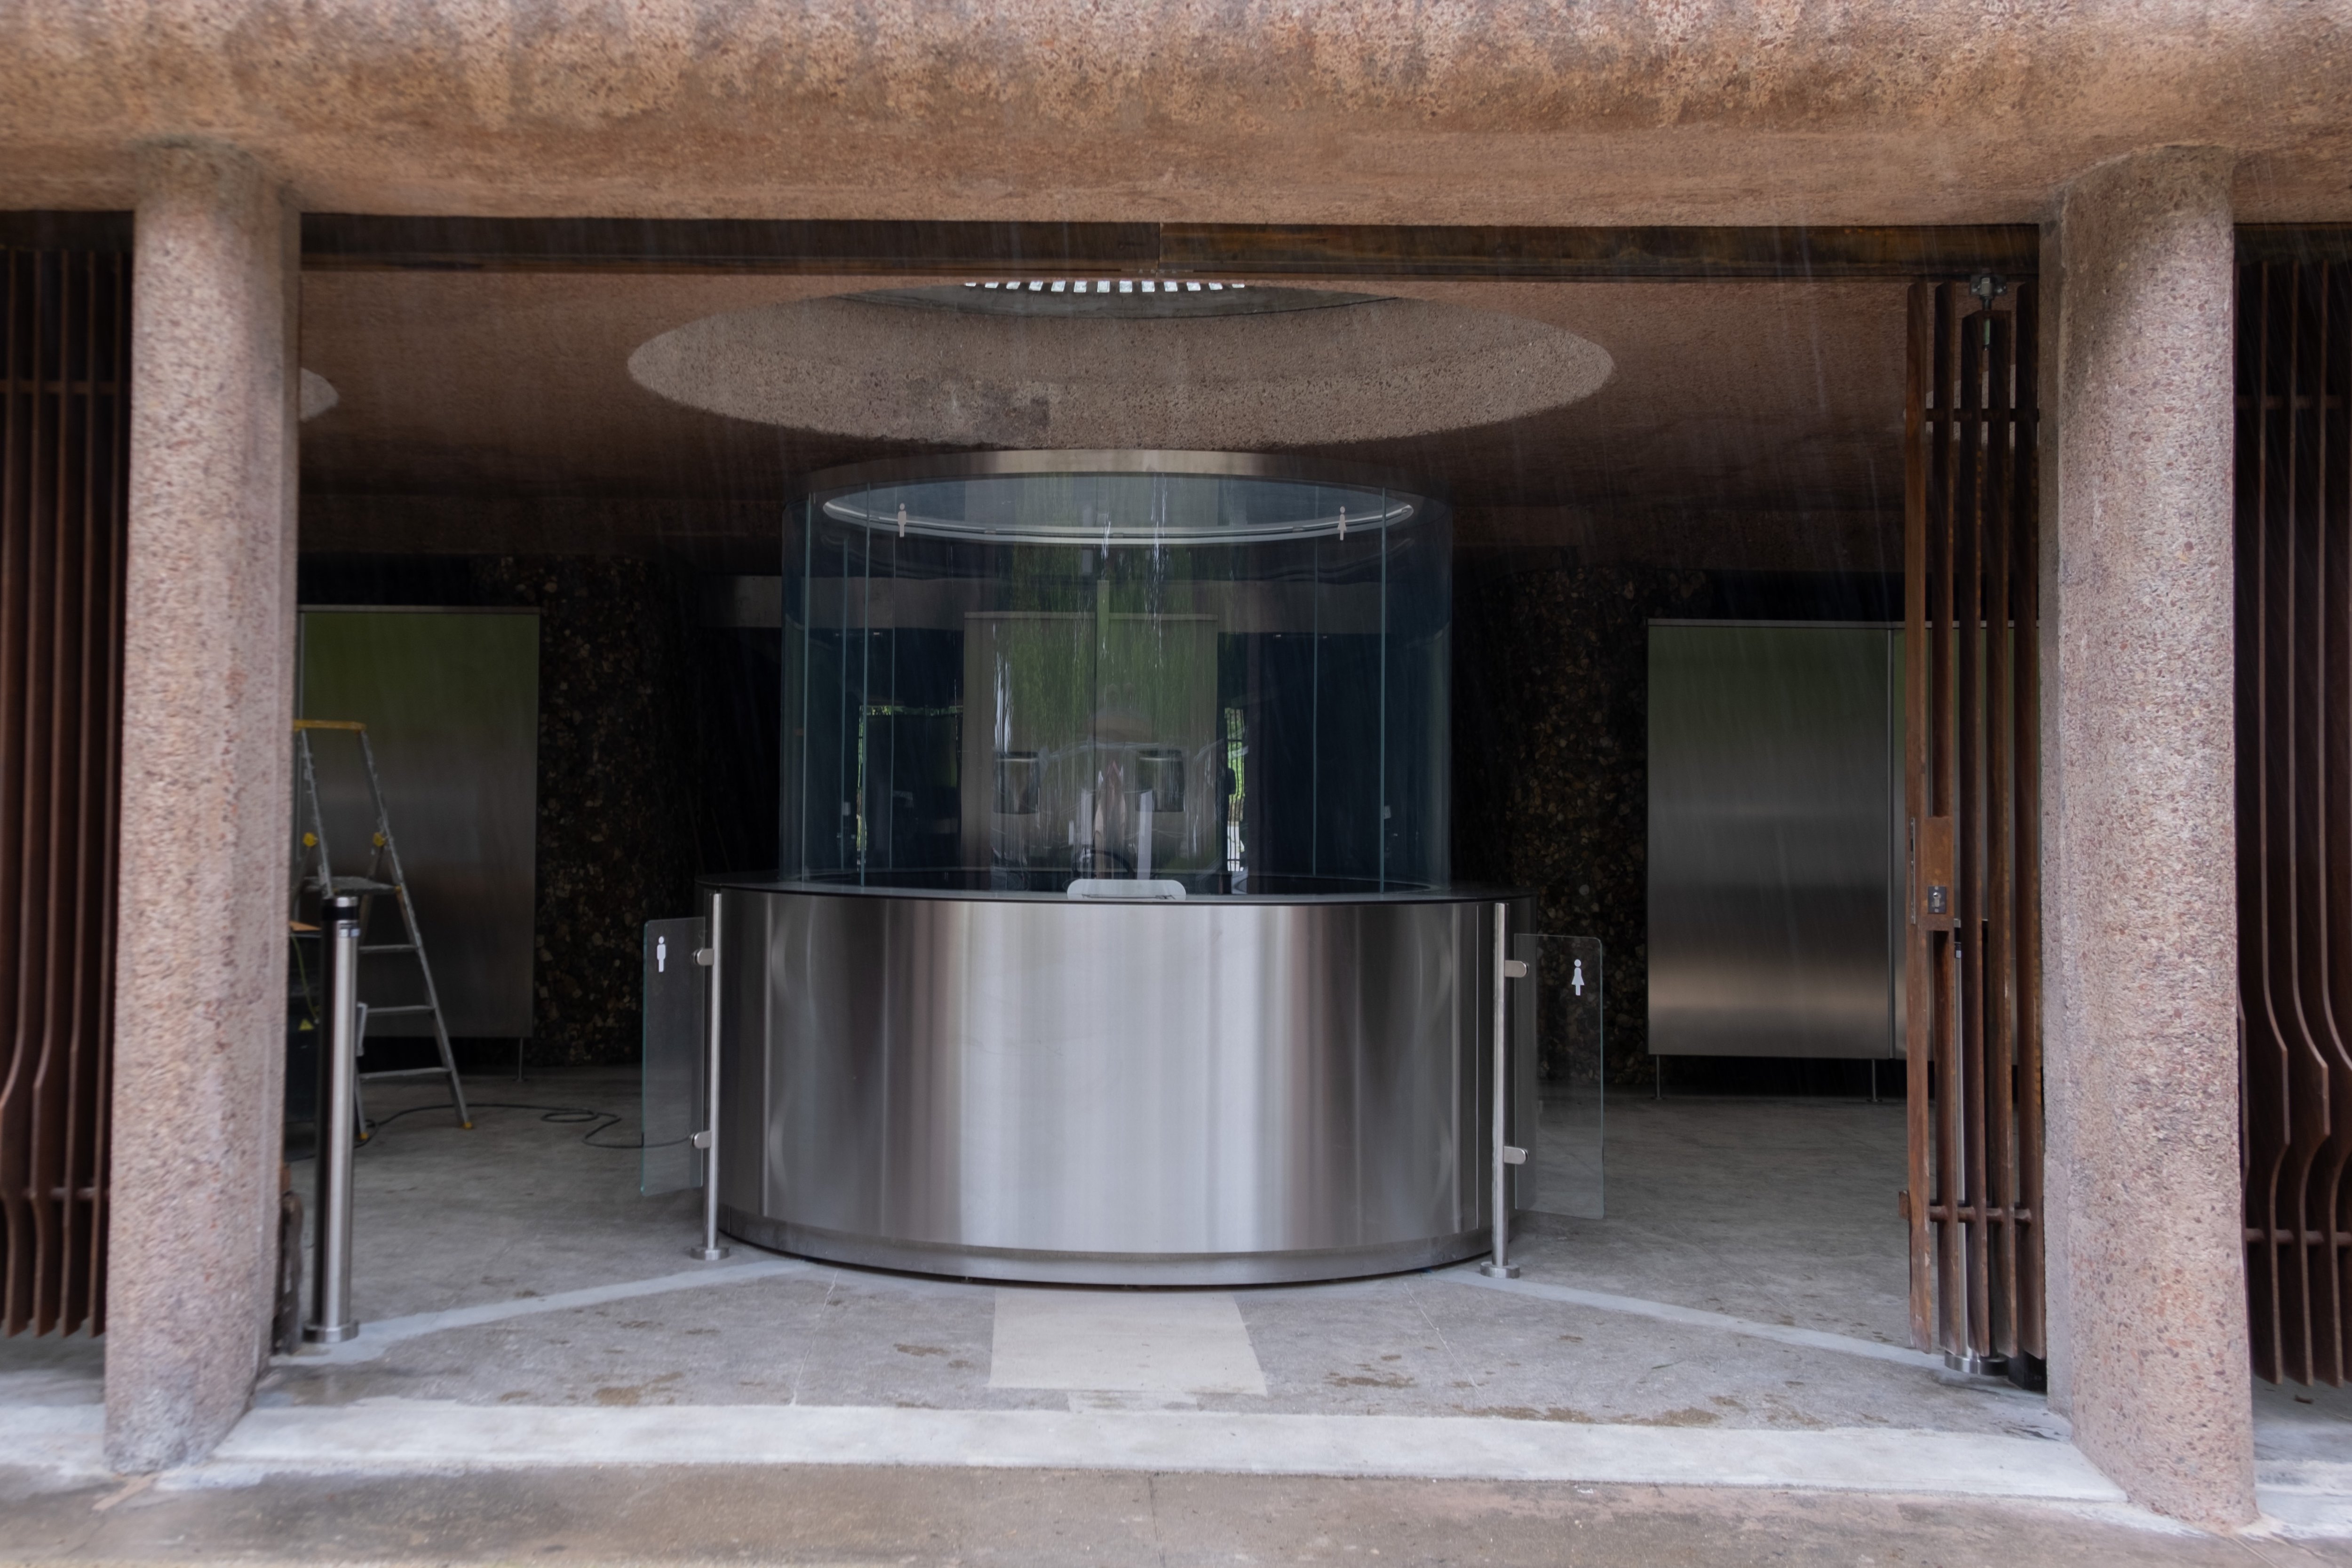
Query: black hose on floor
(561, 1115)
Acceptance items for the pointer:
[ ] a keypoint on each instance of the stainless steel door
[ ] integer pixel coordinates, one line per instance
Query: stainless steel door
(1774, 776)
(451, 701)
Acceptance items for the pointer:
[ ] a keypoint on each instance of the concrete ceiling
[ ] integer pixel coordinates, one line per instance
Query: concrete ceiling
(1313, 111)
(497, 411)
(957, 369)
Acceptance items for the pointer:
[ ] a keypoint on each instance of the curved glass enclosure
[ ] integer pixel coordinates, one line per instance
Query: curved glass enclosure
(1192, 673)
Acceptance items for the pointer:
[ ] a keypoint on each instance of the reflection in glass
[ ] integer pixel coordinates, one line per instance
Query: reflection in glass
(1014, 671)
(1562, 1067)
(673, 1093)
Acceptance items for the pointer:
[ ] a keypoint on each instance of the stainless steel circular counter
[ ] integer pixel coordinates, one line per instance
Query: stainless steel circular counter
(1212, 1091)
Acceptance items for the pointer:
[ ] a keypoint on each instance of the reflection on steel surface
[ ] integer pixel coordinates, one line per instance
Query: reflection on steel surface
(1047, 1089)
(1775, 790)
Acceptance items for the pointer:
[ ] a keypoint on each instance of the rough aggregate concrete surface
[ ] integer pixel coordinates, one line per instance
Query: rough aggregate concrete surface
(1551, 693)
(1324, 110)
(612, 751)
(1369, 371)
(207, 704)
(2141, 898)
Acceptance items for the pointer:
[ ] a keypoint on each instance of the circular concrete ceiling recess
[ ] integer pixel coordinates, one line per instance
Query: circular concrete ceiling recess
(956, 367)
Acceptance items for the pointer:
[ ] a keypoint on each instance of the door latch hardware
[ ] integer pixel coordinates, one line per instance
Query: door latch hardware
(703, 955)
(1514, 1156)
(1515, 969)
(1936, 873)
(701, 1140)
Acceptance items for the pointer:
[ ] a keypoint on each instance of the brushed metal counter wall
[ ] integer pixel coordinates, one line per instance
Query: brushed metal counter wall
(1040, 1087)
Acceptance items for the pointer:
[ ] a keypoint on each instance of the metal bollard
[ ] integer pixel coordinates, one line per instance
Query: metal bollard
(710, 1251)
(331, 1320)
(1506, 969)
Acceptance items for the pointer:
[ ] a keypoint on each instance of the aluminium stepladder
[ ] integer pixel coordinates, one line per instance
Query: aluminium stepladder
(314, 870)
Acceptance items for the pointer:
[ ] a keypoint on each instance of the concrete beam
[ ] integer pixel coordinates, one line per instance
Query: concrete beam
(1314, 112)
(2145, 1239)
(207, 710)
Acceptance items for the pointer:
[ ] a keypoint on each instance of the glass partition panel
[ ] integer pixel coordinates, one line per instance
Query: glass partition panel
(1560, 1076)
(673, 1105)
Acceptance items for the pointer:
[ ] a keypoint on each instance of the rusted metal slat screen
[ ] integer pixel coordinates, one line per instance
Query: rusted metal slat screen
(1971, 770)
(64, 460)
(2295, 809)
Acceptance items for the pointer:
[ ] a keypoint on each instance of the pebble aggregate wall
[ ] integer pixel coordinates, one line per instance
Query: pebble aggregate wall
(1552, 727)
(616, 788)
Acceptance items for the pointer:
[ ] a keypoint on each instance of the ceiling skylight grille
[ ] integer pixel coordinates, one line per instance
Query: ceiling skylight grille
(1107, 285)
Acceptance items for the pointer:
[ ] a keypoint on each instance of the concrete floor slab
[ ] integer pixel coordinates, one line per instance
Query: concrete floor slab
(2303, 1458)
(1736, 1319)
(1777, 1210)
(496, 1227)
(1413, 1344)
(1667, 1313)
(479, 1266)
(383, 1435)
(51, 1369)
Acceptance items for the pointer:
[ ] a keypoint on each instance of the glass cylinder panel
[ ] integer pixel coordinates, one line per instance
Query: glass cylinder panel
(1215, 674)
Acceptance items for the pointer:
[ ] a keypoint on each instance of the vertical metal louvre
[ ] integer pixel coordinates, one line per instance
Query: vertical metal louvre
(1972, 763)
(2295, 809)
(64, 462)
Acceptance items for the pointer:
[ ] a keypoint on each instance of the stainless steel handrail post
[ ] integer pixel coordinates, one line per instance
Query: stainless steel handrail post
(1506, 969)
(710, 1251)
(331, 1320)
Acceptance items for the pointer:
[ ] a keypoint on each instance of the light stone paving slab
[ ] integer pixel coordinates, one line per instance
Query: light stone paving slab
(1140, 1341)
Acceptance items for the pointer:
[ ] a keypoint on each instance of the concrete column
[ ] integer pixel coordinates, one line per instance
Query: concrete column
(2145, 1239)
(207, 710)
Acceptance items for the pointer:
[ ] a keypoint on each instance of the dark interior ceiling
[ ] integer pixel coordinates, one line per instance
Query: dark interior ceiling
(1750, 422)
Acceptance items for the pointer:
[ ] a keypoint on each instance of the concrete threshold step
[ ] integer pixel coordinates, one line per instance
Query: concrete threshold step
(393, 1436)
